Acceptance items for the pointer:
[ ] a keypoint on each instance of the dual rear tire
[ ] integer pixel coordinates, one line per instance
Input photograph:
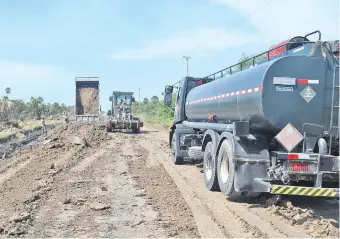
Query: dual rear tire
(219, 172)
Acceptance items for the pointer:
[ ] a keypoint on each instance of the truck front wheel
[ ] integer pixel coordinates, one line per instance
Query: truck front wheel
(209, 168)
(175, 158)
(226, 171)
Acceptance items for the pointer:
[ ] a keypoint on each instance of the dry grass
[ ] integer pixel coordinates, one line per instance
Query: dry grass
(5, 135)
(36, 124)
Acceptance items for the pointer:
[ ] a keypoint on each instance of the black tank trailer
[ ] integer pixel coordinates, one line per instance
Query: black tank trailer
(269, 96)
(273, 127)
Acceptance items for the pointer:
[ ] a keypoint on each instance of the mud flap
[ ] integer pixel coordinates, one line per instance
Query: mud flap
(251, 160)
(248, 177)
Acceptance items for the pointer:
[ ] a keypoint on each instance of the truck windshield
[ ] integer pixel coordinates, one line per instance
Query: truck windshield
(123, 99)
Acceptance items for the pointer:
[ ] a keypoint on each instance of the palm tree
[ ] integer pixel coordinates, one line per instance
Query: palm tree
(8, 91)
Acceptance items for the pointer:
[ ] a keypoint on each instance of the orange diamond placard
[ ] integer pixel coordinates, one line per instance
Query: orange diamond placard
(289, 137)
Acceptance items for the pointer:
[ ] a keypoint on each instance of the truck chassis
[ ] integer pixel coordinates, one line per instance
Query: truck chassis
(240, 164)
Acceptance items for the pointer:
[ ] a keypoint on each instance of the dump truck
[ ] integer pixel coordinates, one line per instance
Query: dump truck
(120, 115)
(87, 106)
(269, 127)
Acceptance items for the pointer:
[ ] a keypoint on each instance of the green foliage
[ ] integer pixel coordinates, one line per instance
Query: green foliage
(154, 99)
(35, 108)
(154, 110)
(249, 62)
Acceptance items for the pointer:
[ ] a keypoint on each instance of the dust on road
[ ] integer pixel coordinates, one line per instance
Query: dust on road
(82, 182)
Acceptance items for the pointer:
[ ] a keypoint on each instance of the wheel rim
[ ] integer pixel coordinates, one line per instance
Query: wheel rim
(224, 170)
(208, 167)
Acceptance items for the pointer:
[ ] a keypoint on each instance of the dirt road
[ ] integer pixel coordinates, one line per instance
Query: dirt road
(82, 182)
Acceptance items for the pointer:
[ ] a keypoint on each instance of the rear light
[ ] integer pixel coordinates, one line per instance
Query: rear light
(279, 50)
(199, 82)
(302, 167)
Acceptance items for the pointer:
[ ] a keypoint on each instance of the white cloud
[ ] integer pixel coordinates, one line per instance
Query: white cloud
(13, 71)
(26, 80)
(281, 20)
(197, 40)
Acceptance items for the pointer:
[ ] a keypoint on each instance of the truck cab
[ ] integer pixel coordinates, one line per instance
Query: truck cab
(183, 88)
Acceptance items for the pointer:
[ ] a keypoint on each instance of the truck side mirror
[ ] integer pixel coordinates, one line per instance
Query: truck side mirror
(168, 99)
(133, 99)
(168, 89)
(110, 99)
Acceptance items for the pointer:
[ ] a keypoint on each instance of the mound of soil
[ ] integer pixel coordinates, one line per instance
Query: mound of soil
(87, 101)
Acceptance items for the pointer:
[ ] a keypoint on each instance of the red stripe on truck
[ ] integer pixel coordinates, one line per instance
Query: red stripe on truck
(302, 81)
(225, 95)
(307, 81)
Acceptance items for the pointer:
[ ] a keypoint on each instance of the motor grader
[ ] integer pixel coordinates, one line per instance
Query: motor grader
(120, 115)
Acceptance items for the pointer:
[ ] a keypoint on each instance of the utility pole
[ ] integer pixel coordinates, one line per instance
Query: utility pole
(187, 58)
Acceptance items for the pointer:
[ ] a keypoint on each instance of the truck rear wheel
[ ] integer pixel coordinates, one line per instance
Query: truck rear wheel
(226, 171)
(175, 158)
(209, 168)
(136, 128)
(108, 126)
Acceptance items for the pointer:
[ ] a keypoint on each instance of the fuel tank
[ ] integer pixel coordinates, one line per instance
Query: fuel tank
(290, 89)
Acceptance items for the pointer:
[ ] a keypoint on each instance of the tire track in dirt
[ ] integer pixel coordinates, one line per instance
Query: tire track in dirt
(213, 210)
(163, 194)
(100, 178)
(256, 225)
(11, 171)
(206, 224)
(303, 219)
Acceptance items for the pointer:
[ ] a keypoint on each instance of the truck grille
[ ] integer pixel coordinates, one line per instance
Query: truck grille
(302, 167)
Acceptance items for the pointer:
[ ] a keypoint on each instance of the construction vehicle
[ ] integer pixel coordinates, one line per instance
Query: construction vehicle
(87, 107)
(270, 127)
(120, 115)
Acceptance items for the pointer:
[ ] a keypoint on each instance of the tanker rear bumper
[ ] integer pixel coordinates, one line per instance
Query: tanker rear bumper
(304, 191)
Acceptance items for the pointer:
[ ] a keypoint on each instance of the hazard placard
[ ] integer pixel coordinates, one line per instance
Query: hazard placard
(289, 137)
(308, 94)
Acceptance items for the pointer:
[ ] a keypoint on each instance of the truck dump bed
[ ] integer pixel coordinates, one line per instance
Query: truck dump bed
(87, 107)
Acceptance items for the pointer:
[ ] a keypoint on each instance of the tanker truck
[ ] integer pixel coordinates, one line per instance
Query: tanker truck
(271, 127)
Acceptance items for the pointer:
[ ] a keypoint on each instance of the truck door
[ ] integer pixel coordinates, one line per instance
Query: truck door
(178, 107)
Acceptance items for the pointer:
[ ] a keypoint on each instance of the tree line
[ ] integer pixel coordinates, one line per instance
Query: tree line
(35, 108)
(154, 110)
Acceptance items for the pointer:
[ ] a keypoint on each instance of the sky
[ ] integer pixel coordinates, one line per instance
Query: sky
(132, 44)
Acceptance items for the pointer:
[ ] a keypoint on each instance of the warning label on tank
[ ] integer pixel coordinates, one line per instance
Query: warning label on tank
(308, 94)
